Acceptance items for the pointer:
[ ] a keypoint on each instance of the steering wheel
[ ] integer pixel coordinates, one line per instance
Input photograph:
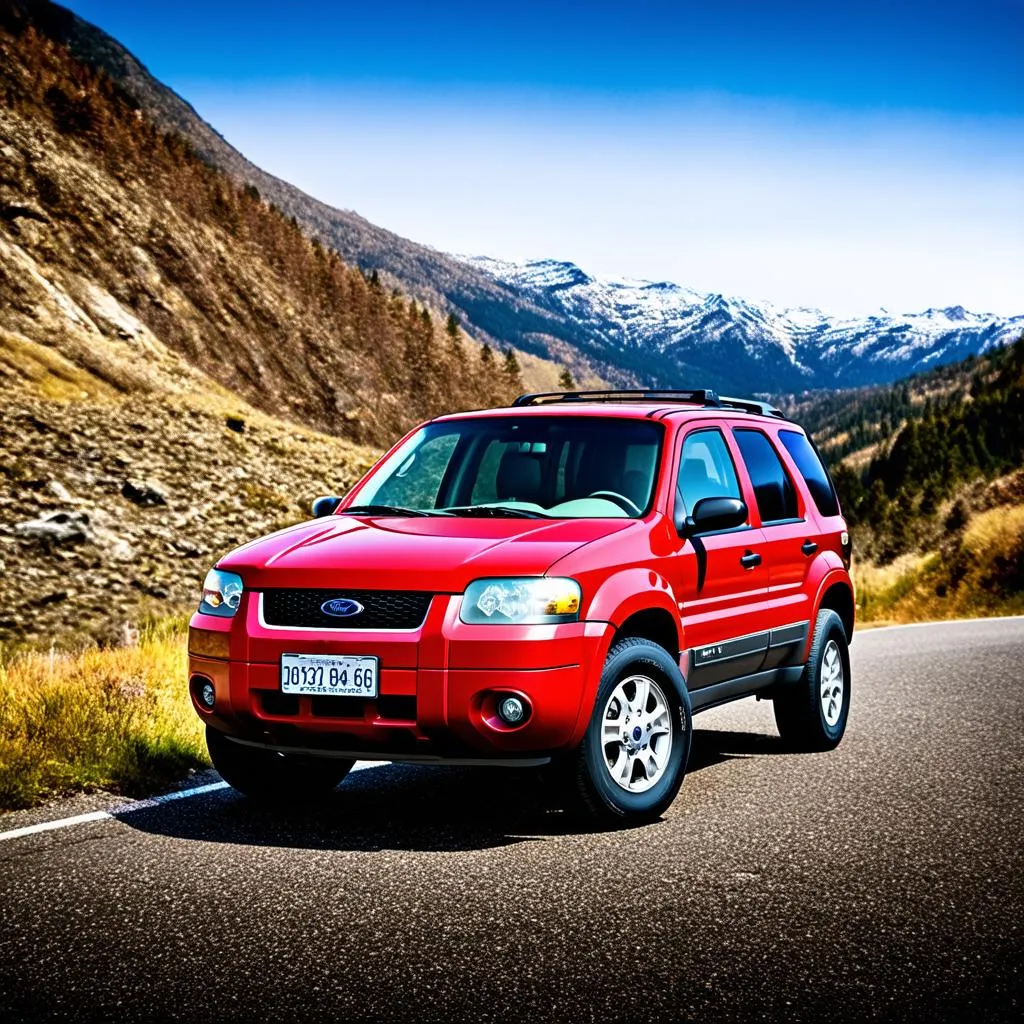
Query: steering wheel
(627, 506)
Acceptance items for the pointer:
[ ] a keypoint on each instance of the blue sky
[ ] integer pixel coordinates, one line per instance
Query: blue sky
(849, 155)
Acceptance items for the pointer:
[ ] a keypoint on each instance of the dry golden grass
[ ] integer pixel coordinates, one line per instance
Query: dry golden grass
(980, 575)
(994, 531)
(115, 719)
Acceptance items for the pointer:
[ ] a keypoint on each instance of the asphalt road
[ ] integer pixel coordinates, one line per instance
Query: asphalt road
(881, 881)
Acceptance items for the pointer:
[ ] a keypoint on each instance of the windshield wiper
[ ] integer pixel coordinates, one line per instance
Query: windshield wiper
(388, 510)
(494, 511)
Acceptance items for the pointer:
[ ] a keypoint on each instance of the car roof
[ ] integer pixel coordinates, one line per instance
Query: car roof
(631, 410)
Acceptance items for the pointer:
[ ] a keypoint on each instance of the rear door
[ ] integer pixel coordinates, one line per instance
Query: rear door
(790, 533)
(720, 579)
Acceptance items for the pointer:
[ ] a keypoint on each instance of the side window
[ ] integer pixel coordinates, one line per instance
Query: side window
(706, 469)
(819, 483)
(776, 496)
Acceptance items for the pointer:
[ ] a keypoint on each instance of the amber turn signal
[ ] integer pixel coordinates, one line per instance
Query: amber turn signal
(208, 643)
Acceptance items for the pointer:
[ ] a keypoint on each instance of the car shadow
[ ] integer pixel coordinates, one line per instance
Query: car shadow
(410, 808)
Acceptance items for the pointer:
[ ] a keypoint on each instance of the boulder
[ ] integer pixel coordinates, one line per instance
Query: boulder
(56, 527)
(144, 493)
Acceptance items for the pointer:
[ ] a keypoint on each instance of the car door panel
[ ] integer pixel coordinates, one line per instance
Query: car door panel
(789, 533)
(720, 597)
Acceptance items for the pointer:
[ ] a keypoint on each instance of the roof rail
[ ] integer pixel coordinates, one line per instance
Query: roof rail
(703, 396)
(751, 406)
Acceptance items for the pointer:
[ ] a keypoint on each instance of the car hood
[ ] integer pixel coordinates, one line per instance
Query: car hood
(437, 554)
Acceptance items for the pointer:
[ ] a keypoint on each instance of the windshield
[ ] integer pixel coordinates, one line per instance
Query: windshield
(552, 466)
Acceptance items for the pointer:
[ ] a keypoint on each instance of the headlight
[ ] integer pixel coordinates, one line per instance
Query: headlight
(525, 601)
(222, 592)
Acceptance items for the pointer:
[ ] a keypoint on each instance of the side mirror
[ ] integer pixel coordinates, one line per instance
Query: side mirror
(711, 514)
(325, 506)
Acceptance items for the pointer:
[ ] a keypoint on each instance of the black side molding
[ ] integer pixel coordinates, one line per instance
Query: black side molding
(744, 686)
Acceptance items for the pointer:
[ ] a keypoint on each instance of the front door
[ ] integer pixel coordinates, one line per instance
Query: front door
(721, 578)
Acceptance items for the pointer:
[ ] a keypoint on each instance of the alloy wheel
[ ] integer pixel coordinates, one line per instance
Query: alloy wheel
(636, 733)
(832, 684)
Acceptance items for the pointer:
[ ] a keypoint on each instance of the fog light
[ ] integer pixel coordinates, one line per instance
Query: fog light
(511, 711)
(204, 693)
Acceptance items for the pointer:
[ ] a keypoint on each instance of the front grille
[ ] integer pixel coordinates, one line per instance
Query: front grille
(382, 609)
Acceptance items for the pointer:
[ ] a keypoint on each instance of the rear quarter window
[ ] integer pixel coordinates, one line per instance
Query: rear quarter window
(811, 468)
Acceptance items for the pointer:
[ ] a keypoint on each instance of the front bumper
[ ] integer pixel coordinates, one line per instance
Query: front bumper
(438, 685)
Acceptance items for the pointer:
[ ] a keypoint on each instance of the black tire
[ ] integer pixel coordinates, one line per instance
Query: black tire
(270, 777)
(799, 713)
(591, 791)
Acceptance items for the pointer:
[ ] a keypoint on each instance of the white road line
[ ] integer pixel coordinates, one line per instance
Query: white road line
(48, 826)
(867, 629)
(138, 805)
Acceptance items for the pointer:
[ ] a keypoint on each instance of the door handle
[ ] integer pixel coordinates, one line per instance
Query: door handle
(808, 547)
(750, 559)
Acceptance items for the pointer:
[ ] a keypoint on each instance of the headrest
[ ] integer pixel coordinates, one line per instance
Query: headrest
(519, 476)
(693, 473)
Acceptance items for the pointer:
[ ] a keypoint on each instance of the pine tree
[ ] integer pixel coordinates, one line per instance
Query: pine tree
(456, 351)
(513, 373)
(565, 381)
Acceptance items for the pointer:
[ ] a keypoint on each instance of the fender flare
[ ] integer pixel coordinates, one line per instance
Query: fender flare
(620, 597)
(833, 573)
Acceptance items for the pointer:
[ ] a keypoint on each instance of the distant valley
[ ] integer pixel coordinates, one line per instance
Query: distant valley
(624, 332)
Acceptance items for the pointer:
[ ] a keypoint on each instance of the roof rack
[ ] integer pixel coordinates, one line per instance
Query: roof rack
(703, 396)
(751, 406)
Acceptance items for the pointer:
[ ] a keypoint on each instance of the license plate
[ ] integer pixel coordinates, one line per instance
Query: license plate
(329, 674)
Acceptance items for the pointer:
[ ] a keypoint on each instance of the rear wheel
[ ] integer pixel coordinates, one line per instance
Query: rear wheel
(812, 714)
(633, 757)
(271, 777)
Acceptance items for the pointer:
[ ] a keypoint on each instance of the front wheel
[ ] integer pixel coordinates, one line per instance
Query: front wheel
(633, 757)
(267, 776)
(811, 715)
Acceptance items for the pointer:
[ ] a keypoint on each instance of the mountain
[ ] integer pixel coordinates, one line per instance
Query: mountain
(682, 336)
(127, 255)
(489, 311)
(603, 330)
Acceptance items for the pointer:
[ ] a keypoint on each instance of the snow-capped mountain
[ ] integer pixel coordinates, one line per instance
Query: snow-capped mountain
(667, 334)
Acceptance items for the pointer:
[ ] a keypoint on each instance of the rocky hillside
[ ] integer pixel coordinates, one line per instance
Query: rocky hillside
(169, 344)
(113, 507)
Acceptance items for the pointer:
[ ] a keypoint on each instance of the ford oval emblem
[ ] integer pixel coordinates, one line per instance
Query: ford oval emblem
(341, 607)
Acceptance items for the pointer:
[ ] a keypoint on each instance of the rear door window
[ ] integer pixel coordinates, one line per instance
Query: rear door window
(775, 493)
(819, 483)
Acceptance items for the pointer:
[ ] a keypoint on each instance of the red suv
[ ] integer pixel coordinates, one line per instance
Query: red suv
(564, 582)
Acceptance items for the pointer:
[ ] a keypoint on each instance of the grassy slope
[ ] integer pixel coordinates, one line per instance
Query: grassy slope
(977, 571)
(930, 475)
(116, 719)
